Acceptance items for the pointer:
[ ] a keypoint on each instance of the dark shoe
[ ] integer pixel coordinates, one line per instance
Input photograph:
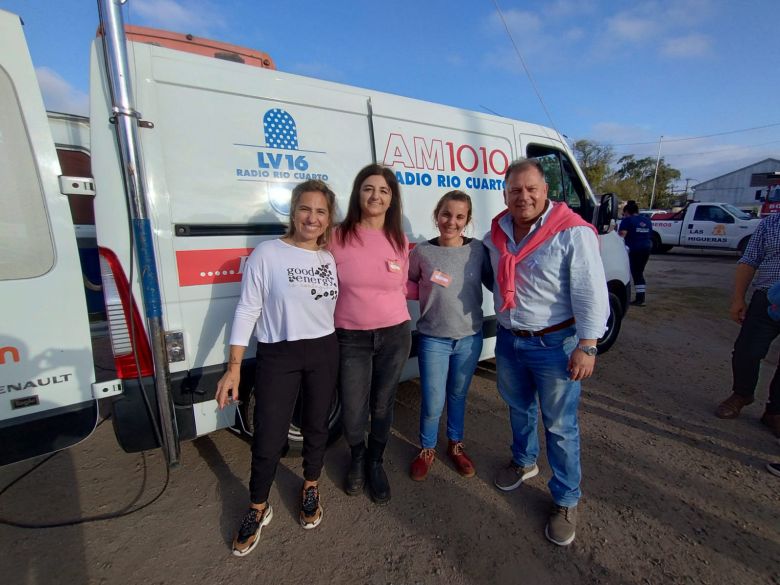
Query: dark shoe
(462, 462)
(772, 421)
(639, 301)
(356, 477)
(511, 476)
(731, 407)
(773, 468)
(561, 525)
(249, 532)
(422, 464)
(311, 511)
(378, 486)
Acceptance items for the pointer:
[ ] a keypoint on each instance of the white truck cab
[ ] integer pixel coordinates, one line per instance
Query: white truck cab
(222, 138)
(718, 226)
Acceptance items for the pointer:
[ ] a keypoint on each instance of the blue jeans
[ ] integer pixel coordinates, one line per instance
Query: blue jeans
(446, 368)
(531, 370)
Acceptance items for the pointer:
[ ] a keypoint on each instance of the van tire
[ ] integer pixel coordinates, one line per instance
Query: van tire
(614, 322)
(743, 245)
(294, 435)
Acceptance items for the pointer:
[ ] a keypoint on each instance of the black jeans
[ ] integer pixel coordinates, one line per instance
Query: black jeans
(752, 344)
(308, 366)
(637, 261)
(371, 365)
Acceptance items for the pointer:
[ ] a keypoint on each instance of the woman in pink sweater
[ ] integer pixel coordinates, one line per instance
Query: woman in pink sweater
(372, 321)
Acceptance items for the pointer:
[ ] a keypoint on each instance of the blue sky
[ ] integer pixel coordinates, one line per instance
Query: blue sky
(617, 72)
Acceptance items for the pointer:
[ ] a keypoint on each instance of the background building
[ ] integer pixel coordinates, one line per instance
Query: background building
(734, 187)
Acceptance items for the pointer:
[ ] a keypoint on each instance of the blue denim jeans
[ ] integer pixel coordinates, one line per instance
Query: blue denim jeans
(531, 370)
(446, 368)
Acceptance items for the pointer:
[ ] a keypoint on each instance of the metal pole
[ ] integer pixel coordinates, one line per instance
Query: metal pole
(655, 176)
(126, 124)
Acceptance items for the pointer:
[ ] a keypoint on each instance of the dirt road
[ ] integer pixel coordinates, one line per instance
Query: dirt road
(672, 494)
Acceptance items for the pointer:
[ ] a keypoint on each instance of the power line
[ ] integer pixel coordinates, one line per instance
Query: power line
(525, 67)
(723, 149)
(702, 136)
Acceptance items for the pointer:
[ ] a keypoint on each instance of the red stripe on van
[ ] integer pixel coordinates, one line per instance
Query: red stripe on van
(199, 267)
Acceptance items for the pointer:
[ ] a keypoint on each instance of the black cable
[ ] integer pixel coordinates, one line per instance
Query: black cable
(78, 521)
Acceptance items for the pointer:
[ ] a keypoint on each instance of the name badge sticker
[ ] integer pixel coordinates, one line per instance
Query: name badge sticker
(441, 278)
(393, 265)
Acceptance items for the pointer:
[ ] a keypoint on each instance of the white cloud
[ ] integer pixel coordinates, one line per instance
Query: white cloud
(634, 29)
(59, 95)
(567, 8)
(537, 40)
(197, 17)
(693, 45)
(700, 159)
(616, 133)
(520, 22)
(574, 34)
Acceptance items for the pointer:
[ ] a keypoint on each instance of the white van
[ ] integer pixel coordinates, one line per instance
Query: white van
(222, 141)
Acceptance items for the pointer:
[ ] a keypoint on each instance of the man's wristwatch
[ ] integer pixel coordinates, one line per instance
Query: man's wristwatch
(591, 350)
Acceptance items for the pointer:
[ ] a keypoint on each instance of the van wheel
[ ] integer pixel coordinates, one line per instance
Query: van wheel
(743, 245)
(614, 322)
(294, 434)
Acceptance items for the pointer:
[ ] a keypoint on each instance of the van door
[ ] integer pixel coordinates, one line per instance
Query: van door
(709, 227)
(46, 367)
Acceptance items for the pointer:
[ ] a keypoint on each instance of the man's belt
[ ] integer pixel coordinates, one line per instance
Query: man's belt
(545, 331)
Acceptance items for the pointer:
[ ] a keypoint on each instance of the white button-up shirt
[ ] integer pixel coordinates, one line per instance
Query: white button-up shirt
(563, 277)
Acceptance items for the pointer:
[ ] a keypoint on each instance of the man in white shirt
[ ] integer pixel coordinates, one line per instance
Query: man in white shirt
(552, 305)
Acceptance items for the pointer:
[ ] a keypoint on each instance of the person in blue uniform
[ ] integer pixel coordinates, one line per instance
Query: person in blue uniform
(636, 229)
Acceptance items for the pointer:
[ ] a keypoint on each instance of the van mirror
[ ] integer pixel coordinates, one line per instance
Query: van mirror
(607, 212)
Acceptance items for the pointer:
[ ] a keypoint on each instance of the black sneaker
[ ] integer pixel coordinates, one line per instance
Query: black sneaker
(249, 532)
(311, 511)
(773, 468)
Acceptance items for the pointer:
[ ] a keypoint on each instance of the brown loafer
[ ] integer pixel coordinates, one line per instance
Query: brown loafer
(773, 422)
(731, 407)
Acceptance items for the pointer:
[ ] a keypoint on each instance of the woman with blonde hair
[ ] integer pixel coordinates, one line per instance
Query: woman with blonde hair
(288, 296)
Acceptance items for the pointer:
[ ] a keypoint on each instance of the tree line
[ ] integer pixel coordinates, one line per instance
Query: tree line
(629, 177)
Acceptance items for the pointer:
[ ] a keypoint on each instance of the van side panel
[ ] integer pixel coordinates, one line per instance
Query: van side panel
(46, 367)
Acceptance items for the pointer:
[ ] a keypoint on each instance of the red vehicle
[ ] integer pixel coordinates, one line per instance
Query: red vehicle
(771, 201)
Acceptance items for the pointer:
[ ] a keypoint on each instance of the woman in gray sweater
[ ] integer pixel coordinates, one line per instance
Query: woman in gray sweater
(446, 274)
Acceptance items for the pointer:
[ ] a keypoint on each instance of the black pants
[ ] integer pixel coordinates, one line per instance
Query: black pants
(752, 344)
(285, 369)
(371, 365)
(637, 260)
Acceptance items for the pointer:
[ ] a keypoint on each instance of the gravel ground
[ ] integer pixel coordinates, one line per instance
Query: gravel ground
(672, 494)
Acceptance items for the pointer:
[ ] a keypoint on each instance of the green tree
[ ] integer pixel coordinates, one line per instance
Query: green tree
(595, 160)
(633, 179)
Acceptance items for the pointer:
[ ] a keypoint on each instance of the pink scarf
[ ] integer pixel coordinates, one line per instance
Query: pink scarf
(561, 218)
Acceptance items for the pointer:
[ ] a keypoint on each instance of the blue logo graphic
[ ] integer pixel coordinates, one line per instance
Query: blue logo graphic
(280, 130)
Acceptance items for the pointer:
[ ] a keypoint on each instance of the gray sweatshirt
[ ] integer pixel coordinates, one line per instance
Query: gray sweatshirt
(453, 311)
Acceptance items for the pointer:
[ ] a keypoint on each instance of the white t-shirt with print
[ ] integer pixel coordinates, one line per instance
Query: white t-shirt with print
(287, 294)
